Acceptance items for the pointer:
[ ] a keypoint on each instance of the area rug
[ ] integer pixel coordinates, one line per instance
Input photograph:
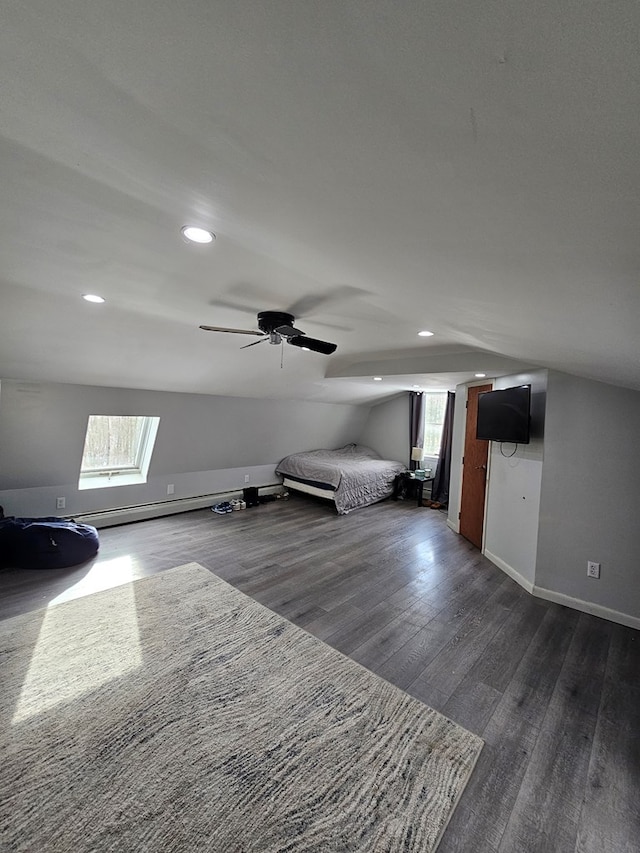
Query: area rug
(176, 714)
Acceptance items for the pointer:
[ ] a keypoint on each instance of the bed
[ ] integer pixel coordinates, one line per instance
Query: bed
(352, 476)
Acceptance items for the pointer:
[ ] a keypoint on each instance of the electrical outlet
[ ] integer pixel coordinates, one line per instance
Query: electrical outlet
(170, 489)
(246, 478)
(593, 569)
(61, 503)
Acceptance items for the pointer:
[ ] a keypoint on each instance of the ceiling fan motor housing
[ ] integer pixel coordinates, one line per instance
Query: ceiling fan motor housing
(269, 321)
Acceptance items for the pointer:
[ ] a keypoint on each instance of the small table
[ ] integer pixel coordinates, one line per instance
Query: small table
(412, 487)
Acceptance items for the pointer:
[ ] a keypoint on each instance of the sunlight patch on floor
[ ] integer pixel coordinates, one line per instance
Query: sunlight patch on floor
(424, 552)
(102, 575)
(64, 671)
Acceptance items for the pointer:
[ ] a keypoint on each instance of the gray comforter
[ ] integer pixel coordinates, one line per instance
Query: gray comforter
(357, 474)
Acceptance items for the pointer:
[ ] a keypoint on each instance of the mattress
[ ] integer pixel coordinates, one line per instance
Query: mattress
(309, 489)
(354, 475)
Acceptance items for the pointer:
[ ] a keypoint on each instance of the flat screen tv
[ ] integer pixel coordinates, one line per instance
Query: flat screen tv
(505, 415)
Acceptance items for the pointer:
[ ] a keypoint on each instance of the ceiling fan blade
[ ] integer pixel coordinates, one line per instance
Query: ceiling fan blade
(253, 343)
(333, 326)
(228, 303)
(313, 344)
(232, 331)
(308, 304)
(288, 331)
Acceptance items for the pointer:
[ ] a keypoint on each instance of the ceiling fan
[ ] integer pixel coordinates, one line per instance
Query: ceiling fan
(274, 327)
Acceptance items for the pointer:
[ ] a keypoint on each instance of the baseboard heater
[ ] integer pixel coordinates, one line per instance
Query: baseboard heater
(126, 514)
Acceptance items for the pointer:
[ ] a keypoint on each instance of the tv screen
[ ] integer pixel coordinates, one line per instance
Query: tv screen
(504, 415)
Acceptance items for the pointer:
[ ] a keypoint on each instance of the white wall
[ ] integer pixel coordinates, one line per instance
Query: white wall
(205, 444)
(590, 502)
(513, 488)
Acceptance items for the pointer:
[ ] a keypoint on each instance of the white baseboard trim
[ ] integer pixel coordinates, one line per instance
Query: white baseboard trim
(126, 514)
(453, 525)
(588, 607)
(509, 570)
(566, 600)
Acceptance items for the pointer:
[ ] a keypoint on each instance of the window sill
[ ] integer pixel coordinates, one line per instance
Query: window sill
(110, 482)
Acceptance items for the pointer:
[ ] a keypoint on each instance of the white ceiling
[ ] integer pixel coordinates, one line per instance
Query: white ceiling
(467, 168)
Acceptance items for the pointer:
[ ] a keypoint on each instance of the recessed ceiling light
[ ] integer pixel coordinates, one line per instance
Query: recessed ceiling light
(377, 378)
(197, 235)
(92, 297)
(425, 334)
(480, 375)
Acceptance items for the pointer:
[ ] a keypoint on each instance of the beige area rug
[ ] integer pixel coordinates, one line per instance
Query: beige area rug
(176, 714)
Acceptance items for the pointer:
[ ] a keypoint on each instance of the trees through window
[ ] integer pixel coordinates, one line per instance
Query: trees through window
(116, 446)
(435, 406)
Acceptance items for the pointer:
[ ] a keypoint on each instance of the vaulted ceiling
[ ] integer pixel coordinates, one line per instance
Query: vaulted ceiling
(387, 167)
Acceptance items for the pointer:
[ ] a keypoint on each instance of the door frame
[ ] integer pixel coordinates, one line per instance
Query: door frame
(454, 523)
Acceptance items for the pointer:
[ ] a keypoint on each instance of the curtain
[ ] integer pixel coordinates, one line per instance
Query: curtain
(440, 488)
(416, 424)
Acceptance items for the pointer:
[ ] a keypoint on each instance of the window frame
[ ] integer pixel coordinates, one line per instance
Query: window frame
(435, 454)
(122, 475)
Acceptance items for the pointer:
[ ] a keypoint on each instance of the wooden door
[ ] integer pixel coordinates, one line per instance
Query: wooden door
(474, 473)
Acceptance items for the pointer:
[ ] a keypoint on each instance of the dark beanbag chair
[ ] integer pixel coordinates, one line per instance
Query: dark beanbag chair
(45, 543)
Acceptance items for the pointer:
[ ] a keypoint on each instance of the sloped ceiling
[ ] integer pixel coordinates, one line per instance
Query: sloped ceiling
(467, 168)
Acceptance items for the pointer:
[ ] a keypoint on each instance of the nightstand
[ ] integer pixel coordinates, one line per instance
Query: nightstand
(411, 488)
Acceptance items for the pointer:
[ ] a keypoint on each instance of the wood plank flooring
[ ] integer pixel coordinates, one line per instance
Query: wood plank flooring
(554, 693)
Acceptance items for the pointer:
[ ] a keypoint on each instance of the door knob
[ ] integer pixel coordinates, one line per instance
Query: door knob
(481, 467)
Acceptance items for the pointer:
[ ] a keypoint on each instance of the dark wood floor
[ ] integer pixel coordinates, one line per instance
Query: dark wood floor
(554, 693)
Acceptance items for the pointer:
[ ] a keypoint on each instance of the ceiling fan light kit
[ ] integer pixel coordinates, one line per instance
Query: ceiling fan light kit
(274, 326)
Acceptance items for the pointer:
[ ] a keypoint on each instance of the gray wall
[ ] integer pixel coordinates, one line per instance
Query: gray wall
(387, 429)
(590, 503)
(569, 496)
(589, 483)
(205, 444)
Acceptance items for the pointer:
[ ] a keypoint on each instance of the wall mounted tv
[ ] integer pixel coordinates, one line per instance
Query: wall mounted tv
(505, 415)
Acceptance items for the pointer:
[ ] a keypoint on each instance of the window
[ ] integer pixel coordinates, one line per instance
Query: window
(117, 450)
(435, 404)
